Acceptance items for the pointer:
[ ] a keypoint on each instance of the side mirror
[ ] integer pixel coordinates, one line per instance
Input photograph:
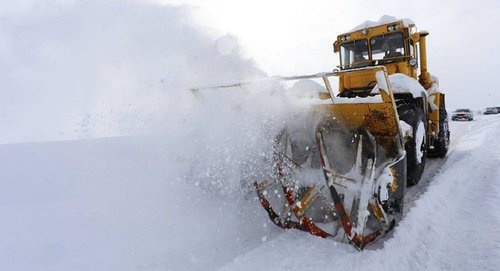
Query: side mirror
(336, 47)
(413, 62)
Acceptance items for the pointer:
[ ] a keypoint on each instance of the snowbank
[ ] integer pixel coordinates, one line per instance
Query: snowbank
(119, 204)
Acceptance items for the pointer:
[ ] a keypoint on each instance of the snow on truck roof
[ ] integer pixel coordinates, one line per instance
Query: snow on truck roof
(385, 19)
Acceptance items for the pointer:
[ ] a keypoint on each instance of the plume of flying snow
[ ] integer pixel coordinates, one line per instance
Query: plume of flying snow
(100, 68)
(176, 169)
(87, 69)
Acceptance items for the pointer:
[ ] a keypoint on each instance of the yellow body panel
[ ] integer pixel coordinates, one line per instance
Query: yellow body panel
(436, 99)
(411, 39)
(379, 115)
(358, 79)
(401, 67)
(380, 119)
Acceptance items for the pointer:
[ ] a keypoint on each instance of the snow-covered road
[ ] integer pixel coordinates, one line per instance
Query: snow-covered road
(125, 204)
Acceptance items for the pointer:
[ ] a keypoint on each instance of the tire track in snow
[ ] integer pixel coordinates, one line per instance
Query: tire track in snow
(434, 165)
(458, 231)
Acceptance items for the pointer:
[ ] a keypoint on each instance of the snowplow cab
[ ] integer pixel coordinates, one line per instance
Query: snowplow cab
(391, 44)
(397, 45)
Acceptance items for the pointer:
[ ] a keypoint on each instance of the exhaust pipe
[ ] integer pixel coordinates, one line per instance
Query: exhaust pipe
(425, 76)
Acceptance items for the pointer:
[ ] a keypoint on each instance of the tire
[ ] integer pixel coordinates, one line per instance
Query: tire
(416, 147)
(442, 142)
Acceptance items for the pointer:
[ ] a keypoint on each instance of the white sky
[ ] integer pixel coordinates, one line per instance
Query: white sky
(295, 37)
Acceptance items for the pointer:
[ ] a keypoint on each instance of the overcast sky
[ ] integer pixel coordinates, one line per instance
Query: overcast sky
(295, 37)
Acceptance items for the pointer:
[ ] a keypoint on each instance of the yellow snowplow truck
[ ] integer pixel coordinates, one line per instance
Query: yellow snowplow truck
(370, 139)
(340, 169)
(402, 50)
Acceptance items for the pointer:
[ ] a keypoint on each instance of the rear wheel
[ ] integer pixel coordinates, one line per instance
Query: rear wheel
(442, 142)
(415, 147)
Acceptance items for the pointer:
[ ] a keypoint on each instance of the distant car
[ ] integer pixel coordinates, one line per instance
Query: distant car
(462, 114)
(491, 110)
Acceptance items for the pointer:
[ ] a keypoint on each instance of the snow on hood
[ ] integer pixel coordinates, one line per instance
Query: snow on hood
(402, 83)
(385, 19)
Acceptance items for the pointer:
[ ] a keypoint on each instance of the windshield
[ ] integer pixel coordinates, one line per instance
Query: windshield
(354, 54)
(462, 110)
(389, 48)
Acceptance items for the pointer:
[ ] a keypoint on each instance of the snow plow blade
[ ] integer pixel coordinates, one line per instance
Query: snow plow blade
(340, 171)
(346, 178)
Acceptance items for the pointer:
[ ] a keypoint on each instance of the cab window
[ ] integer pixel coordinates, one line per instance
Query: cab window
(354, 54)
(388, 48)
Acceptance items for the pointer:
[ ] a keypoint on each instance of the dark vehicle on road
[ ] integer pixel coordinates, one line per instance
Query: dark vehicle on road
(462, 114)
